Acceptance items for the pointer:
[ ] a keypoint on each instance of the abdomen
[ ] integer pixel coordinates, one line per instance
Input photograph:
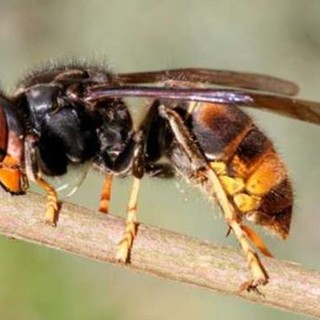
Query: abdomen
(251, 172)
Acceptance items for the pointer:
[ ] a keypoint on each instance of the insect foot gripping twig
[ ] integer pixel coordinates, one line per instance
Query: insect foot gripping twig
(259, 274)
(126, 242)
(52, 206)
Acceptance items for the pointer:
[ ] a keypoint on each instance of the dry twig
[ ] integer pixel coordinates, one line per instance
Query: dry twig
(160, 252)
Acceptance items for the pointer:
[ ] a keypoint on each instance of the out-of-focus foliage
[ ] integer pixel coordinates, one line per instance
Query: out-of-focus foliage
(268, 36)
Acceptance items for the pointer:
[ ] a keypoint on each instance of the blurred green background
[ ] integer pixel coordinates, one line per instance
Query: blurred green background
(268, 36)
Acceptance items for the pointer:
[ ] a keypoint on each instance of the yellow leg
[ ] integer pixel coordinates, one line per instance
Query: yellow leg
(130, 232)
(52, 206)
(259, 274)
(106, 194)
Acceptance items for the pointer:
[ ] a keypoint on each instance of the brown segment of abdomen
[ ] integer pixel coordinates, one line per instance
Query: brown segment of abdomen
(251, 172)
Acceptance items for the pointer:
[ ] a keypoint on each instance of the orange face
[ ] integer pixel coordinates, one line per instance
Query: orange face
(11, 177)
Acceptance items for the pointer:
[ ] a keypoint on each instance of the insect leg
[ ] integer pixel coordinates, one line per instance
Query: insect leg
(106, 194)
(34, 174)
(209, 179)
(184, 147)
(259, 273)
(126, 242)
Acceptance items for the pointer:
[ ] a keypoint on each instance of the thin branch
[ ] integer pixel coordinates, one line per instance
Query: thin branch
(160, 252)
